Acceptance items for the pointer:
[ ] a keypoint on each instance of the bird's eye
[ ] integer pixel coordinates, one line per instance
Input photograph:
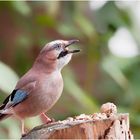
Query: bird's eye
(57, 46)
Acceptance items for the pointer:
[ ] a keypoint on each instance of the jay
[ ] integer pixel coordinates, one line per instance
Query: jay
(39, 89)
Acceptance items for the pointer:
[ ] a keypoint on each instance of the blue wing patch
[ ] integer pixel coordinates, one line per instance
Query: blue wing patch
(19, 96)
(14, 98)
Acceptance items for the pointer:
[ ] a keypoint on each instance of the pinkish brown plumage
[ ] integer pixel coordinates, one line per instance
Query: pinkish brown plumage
(40, 88)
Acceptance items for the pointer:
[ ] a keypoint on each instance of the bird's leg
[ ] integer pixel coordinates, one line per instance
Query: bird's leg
(22, 128)
(47, 119)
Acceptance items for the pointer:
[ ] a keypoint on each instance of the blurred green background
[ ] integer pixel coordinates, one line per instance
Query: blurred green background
(107, 69)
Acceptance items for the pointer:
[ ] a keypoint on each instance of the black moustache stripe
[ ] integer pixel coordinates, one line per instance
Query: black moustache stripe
(62, 54)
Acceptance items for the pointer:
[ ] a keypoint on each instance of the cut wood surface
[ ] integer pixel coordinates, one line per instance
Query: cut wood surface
(105, 125)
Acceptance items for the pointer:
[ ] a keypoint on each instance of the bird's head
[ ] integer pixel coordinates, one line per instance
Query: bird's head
(58, 52)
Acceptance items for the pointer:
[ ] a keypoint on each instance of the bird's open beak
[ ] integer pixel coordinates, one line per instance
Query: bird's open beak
(70, 42)
(66, 49)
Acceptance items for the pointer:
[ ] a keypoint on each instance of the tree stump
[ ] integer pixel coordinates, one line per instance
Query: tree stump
(105, 125)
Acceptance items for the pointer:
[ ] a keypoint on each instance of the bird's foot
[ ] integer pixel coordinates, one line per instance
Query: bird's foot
(50, 121)
(23, 135)
(46, 119)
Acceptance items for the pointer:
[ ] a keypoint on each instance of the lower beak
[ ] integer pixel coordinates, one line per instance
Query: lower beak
(70, 42)
(74, 51)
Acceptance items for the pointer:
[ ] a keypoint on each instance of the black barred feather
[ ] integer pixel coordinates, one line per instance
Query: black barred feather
(4, 116)
(12, 100)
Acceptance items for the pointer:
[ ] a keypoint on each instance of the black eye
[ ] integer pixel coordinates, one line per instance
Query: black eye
(57, 46)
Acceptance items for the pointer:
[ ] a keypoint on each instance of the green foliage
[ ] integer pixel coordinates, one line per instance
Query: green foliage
(8, 78)
(80, 95)
(93, 77)
(22, 7)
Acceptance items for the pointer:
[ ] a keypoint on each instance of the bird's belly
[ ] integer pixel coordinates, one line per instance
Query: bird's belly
(39, 101)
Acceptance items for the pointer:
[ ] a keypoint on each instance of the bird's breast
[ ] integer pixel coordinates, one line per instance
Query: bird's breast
(50, 90)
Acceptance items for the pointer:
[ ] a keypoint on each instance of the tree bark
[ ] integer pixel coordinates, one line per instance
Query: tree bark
(105, 125)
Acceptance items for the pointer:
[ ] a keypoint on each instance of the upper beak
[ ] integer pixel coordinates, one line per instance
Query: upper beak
(70, 42)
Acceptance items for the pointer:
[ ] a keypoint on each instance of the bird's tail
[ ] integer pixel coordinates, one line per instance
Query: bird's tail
(4, 116)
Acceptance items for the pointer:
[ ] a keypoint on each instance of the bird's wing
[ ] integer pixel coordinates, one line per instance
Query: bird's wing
(17, 96)
(14, 98)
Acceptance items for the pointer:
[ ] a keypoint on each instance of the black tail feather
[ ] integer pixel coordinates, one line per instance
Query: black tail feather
(4, 116)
